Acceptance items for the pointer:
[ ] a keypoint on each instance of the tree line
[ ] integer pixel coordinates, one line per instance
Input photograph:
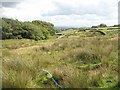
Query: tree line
(37, 30)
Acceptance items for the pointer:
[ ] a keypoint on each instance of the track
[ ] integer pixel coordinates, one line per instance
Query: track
(25, 50)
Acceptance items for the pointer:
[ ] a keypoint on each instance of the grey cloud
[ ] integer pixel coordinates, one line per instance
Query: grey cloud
(65, 9)
(9, 4)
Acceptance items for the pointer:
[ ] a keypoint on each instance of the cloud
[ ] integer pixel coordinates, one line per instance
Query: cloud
(79, 20)
(79, 7)
(65, 12)
(9, 4)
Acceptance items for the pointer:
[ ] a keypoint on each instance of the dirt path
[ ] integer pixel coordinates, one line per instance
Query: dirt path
(25, 50)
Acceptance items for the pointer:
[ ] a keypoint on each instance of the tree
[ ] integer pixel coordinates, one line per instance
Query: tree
(103, 25)
(37, 30)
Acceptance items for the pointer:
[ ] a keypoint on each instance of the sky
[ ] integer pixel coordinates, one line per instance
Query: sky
(67, 13)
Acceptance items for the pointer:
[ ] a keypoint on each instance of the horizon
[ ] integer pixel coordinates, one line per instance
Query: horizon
(63, 26)
(61, 13)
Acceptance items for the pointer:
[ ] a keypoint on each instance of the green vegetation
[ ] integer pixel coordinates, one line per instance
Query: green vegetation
(37, 30)
(100, 26)
(80, 59)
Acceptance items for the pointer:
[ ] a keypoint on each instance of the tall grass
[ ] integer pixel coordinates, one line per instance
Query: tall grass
(74, 63)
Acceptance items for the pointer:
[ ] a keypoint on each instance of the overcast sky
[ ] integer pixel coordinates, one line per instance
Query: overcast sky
(76, 13)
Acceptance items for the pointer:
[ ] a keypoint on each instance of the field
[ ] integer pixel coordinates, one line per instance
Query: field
(76, 59)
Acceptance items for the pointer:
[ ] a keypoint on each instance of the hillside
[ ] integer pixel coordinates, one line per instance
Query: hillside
(76, 58)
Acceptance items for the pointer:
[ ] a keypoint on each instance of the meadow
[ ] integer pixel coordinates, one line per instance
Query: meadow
(79, 59)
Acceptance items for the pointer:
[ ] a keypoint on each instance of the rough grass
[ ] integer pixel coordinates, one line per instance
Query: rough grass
(74, 62)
